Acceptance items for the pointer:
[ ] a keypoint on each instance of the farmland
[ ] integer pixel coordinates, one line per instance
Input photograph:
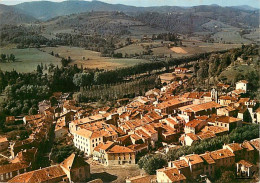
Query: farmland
(27, 59)
(230, 35)
(92, 59)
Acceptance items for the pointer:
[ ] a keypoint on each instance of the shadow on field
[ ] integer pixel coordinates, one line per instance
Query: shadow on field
(104, 176)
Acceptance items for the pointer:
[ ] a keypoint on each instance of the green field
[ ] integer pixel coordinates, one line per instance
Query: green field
(27, 59)
(230, 35)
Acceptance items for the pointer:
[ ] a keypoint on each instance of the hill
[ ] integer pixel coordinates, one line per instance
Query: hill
(194, 19)
(10, 15)
(103, 23)
(45, 10)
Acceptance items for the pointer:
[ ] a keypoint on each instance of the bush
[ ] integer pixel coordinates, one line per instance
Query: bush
(150, 163)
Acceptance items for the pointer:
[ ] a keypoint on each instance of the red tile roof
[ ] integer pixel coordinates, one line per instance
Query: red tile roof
(221, 153)
(194, 123)
(200, 107)
(245, 163)
(119, 149)
(40, 175)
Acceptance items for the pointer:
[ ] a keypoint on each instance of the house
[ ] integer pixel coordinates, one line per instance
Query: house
(180, 70)
(189, 112)
(170, 106)
(76, 169)
(9, 171)
(209, 164)
(142, 178)
(245, 169)
(86, 140)
(10, 119)
(182, 166)
(227, 111)
(170, 175)
(206, 135)
(235, 148)
(60, 128)
(27, 119)
(223, 158)
(188, 139)
(49, 174)
(4, 143)
(194, 126)
(198, 97)
(195, 163)
(110, 154)
(226, 121)
(43, 105)
(218, 131)
(243, 85)
(226, 100)
(99, 151)
(27, 156)
(16, 147)
(244, 113)
(256, 144)
(242, 151)
(72, 169)
(257, 115)
(139, 148)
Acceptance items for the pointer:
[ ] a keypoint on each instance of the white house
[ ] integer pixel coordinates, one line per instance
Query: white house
(86, 140)
(242, 85)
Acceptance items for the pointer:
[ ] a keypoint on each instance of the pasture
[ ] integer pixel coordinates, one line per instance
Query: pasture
(230, 35)
(27, 59)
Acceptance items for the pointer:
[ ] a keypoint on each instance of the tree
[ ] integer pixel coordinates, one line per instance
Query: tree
(3, 57)
(12, 57)
(227, 176)
(39, 69)
(82, 79)
(154, 163)
(33, 111)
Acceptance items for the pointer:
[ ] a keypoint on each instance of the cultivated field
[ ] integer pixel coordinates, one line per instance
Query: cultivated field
(27, 59)
(92, 58)
(189, 47)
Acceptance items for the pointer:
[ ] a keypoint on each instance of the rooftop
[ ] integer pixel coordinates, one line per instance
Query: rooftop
(200, 107)
(120, 149)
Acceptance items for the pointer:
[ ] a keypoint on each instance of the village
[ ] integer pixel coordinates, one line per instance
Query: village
(154, 123)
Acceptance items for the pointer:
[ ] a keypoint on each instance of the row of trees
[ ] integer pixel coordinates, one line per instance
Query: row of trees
(7, 58)
(238, 135)
(120, 90)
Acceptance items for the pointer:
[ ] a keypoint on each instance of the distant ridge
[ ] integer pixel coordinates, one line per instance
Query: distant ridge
(12, 16)
(45, 10)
